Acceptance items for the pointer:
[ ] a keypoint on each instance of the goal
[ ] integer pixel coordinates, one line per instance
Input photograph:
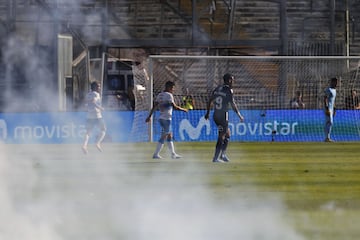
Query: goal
(263, 89)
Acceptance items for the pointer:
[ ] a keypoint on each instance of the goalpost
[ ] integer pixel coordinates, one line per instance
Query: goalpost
(263, 89)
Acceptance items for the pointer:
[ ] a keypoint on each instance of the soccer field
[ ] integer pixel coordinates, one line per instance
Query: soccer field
(268, 191)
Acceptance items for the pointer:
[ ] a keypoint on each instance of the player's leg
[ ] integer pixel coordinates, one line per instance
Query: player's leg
(85, 143)
(161, 141)
(102, 127)
(219, 144)
(170, 143)
(89, 126)
(224, 157)
(221, 124)
(158, 149)
(328, 127)
(170, 140)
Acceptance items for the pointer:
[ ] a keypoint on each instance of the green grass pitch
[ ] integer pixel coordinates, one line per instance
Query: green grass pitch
(268, 191)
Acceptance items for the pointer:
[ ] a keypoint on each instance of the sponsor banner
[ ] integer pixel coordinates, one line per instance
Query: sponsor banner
(270, 125)
(60, 127)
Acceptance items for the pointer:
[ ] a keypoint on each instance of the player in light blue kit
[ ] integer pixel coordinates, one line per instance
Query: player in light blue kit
(329, 107)
(165, 102)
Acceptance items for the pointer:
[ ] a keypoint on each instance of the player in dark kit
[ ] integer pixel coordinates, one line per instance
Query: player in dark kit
(221, 97)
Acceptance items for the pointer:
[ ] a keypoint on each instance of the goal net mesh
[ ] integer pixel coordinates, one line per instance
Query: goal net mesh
(261, 83)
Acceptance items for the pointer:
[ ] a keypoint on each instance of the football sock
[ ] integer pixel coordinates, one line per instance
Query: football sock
(171, 147)
(158, 148)
(86, 140)
(327, 130)
(225, 144)
(218, 147)
(101, 137)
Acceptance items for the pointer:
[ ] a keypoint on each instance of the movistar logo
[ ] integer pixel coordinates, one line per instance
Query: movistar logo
(3, 129)
(193, 132)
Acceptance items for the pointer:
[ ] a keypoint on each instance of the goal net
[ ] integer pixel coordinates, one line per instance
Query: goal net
(263, 90)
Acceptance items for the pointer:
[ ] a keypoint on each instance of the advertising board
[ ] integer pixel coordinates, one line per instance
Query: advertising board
(262, 126)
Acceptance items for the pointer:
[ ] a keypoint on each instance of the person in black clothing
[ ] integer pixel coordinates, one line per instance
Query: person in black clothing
(221, 97)
(352, 101)
(297, 102)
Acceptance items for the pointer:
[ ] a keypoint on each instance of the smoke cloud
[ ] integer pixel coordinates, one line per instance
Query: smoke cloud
(69, 196)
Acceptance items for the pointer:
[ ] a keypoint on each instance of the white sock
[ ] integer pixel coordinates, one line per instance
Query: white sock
(171, 147)
(86, 140)
(158, 148)
(101, 137)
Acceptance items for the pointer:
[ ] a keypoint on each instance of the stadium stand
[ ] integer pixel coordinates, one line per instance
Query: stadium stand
(171, 27)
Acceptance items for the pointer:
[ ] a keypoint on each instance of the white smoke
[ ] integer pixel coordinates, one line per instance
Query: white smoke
(106, 196)
(28, 79)
(20, 221)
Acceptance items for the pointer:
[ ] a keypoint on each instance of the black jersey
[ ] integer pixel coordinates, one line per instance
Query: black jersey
(351, 102)
(223, 96)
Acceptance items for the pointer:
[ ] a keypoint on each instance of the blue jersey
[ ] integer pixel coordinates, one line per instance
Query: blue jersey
(330, 93)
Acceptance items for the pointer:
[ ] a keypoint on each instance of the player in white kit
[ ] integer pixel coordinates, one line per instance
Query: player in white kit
(165, 103)
(94, 116)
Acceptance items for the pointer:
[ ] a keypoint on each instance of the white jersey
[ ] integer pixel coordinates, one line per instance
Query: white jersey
(93, 100)
(165, 101)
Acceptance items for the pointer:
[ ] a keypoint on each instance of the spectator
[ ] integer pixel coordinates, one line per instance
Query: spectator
(297, 101)
(188, 101)
(352, 101)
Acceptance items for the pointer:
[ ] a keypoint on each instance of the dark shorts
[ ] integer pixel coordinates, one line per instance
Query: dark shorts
(97, 122)
(221, 122)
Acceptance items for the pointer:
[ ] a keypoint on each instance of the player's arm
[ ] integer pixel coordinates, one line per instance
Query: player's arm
(156, 104)
(96, 104)
(178, 107)
(208, 106)
(356, 103)
(236, 110)
(326, 105)
(234, 107)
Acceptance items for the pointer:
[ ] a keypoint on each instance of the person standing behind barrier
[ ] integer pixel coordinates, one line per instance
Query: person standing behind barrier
(222, 96)
(297, 101)
(352, 102)
(94, 116)
(329, 107)
(188, 101)
(165, 102)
